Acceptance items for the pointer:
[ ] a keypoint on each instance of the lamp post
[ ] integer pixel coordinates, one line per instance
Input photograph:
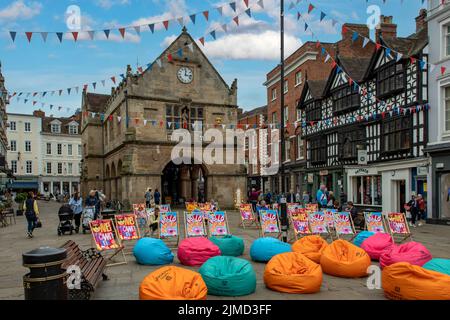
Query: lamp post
(283, 209)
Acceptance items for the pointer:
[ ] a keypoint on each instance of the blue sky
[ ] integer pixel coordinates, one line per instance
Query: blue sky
(246, 52)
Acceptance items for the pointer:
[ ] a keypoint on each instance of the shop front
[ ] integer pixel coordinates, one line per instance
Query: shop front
(364, 188)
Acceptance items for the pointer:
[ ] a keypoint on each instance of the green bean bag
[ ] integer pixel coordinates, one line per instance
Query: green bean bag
(228, 276)
(229, 245)
(438, 265)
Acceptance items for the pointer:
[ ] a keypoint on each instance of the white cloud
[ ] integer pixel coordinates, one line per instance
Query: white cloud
(174, 9)
(241, 46)
(107, 4)
(20, 10)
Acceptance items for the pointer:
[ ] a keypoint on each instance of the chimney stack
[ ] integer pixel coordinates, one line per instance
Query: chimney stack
(386, 28)
(349, 28)
(421, 20)
(39, 113)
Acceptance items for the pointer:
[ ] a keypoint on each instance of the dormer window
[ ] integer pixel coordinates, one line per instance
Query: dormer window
(391, 78)
(73, 129)
(313, 111)
(56, 128)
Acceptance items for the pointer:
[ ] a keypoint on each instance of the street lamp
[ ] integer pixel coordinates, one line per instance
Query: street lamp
(283, 209)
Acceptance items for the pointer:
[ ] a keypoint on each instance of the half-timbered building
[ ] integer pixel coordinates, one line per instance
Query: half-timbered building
(366, 131)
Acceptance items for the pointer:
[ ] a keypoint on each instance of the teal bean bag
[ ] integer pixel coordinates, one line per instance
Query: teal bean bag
(229, 245)
(228, 276)
(438, 265)
(149, 251)
(363, 235)
(263, 249)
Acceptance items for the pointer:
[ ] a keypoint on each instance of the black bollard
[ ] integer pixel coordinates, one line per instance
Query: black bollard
(46, 279)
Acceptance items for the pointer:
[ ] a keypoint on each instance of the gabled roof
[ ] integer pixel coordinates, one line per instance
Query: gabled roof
(256, 111)
(65, 122)
(316, 89)
(96, 102)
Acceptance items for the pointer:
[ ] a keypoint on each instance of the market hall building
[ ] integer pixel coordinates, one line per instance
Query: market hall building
(125, 158)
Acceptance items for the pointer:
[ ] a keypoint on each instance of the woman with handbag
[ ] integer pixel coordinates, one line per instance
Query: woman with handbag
(31, 213)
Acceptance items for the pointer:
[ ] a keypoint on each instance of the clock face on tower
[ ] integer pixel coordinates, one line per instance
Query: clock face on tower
(185, 75)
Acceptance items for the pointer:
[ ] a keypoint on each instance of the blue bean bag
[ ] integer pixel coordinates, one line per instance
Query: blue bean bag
(438, 265)
(149, 251)
(263, 249)
(228, 276)
(229, 245)
(363, 235)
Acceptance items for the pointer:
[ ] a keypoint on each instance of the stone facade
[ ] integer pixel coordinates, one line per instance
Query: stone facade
(124, 158)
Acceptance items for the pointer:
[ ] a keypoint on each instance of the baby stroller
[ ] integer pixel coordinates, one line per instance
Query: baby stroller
(65, 215)
(88, 216)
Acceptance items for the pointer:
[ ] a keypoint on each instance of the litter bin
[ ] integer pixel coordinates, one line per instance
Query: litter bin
(46, 279)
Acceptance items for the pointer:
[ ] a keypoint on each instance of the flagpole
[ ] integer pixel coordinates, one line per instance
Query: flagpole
(283, 209)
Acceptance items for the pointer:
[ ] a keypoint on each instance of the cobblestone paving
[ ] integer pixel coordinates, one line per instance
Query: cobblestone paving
(125, 279)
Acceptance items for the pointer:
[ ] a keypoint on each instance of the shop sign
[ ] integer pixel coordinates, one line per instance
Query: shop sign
(422, 171)
(362, 172)
(323, 172)
(310, 178)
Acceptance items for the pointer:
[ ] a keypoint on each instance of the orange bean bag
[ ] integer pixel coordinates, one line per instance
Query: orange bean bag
(310, 246)
(173, 283)
(343, 259)
(292, 272)
(404, 281)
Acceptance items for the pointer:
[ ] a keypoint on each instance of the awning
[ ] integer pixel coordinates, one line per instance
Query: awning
(16, 185)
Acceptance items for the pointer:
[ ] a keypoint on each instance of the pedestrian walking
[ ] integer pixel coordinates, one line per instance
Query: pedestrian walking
(253, 198)
(422, 208)
(157, 197)
(413, 209)
(31, 213)
(76, 204)
(93, 201)
(321, 197)
(148, 198)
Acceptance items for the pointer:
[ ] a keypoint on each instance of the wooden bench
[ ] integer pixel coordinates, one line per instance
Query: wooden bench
(92, 266)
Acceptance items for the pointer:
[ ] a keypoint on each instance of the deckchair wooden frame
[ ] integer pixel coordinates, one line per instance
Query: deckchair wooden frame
(262, 232)
(253, 221)
(383, 223)
(394, 235)
(226, 223)
(205, 231)
(135, 225)
(297, 235)
(118, 250)
(169, 239)
(352, 225)
(327, 233)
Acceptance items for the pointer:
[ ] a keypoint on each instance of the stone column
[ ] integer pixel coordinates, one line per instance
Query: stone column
(70, 188)
(51, 188)
(194, 183)
(185, 181)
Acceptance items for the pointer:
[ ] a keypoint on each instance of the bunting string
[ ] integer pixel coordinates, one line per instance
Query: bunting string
(136, 29)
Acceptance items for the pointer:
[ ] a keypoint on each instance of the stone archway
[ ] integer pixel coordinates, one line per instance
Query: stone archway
(181, 183)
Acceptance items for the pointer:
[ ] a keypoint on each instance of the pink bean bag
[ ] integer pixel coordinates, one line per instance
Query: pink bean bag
(195, 251)
(413, 252)
(377, 244)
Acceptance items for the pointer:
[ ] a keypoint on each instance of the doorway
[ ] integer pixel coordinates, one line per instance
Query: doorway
(181, 183)
(401, 195)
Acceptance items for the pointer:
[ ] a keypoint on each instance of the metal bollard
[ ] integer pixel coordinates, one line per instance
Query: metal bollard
(46, 279)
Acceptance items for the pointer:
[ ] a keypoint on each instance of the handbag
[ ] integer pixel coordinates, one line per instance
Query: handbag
(38, 223)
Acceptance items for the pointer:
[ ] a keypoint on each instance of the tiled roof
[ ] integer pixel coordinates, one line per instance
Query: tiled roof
(47, 128)
(260, 110)
(317, 87)
(96, 102)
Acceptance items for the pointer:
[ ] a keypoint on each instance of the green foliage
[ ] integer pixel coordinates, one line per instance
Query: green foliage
(20, 198)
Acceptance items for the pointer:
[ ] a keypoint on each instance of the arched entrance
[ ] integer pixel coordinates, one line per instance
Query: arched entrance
(181, 183)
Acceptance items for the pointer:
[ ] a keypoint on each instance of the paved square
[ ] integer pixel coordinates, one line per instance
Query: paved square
(125, 279)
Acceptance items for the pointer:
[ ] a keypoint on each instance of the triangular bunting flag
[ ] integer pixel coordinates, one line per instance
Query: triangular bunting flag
(166, 24)
(202, 40)
(159, 63)
(365, 42)
(213, 34)
(44, 36)
(152, 27)
(225, 28)
(246, 3)
(261, 3)
(191, 47)
(137, 29)
(248, 12)
(13, 35)
(220, 10)
(399, 56)
(91, 34)
(181, 21)
(310, 8)
(236, 19)
(322, 15)
(107, 31)
(206, 15)
(122, 32)
(29, 35)
(169, 57)
(443, 69)
(192, 16)
(113, 79)
(75, 36)
(233, 6)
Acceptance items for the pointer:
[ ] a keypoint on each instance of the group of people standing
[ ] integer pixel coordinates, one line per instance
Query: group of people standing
(152, 197)
(416, 208)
